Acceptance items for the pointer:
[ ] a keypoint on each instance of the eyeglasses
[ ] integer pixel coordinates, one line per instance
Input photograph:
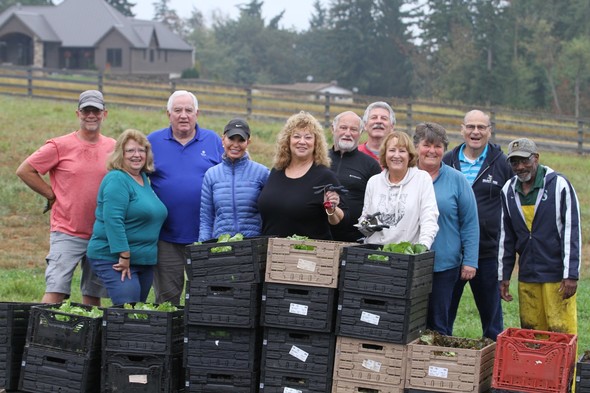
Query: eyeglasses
(133, 151)
(479, 127)
(514, 161)
(90, 109)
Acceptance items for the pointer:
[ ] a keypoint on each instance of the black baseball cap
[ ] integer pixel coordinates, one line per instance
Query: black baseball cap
(237, 127)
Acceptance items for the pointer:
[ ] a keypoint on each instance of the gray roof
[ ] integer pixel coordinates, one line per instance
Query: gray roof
(83, 23)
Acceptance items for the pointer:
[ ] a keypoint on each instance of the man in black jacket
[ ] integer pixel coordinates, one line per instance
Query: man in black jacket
(487, 170)
(353, 168)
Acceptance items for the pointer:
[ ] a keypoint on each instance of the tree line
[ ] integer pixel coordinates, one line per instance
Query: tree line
(521, 54)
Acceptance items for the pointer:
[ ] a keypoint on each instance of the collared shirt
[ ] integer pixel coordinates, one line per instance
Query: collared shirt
(470, 168)
(529, 200)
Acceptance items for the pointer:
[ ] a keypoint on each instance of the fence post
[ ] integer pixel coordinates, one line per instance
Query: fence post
(100, 81)
(409, 117)
(327, 111)
(580, 137)
(172, 86)
(248, 102)
(493, 125)
(30, 82)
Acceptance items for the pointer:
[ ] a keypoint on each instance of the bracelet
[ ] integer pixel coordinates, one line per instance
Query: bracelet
(122, 257)
(330, 214)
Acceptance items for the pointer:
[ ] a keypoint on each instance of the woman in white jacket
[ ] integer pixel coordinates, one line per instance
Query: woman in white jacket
(401, 197)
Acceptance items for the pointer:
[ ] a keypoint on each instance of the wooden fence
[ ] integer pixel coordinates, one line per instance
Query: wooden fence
(551, 132)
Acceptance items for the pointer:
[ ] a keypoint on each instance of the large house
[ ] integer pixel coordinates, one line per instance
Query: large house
(90, 35)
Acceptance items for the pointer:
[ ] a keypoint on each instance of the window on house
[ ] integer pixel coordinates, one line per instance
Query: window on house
(115, 57)
(151, 55)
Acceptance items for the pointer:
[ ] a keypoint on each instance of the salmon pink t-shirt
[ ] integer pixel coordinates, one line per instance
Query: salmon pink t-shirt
(75, 168)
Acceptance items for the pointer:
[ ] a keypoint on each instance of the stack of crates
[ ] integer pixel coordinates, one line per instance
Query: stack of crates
(62, 352)
(382, 306)
(298, 315)
(14, 320)
(222, 310)
(534, 361)
(142, 350)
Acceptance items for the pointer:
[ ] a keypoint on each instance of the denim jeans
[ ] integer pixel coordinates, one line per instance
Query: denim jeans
(439, 302)
(135, 289)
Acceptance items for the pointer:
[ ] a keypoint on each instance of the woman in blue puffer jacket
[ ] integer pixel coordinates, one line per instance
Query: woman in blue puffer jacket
(230, 189)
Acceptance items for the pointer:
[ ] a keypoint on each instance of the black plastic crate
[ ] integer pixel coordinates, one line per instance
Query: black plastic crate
(207, 380)
(281, 381)
(222, 348)
(46, 370)
(381, 318)
(583, 375)
(298, 350)
(401, 275)
(141, 373)
(144, 331)
(244, 262)
(14, 321)
(298, 307)
(64, 332)
(229, 305)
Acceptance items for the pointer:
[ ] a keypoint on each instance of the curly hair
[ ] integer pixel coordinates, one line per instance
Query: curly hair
(117, 157)
(403, 140)
(297, 122)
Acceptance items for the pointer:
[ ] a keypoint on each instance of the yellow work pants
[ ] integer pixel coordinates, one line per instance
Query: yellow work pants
(542, 308)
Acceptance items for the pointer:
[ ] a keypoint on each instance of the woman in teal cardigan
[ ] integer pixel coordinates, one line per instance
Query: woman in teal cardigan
(123, 248)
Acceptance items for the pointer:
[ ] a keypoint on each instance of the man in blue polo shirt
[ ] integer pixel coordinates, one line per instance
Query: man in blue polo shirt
(486, 169)
(182, 154)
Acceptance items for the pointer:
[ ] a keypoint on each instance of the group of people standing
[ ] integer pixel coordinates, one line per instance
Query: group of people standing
(126, 209)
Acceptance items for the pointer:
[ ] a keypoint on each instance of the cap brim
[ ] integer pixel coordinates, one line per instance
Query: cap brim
(524, 154)
(97, 105)
(237, 131)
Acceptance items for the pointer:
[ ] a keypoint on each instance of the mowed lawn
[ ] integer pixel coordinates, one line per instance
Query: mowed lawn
(27, 123)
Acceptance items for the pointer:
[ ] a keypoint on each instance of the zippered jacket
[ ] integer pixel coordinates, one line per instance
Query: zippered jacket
(229, 198)
(494, 173)
(551, 251)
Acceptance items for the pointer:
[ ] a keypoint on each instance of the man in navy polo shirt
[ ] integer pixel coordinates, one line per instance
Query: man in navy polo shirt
(182, 154)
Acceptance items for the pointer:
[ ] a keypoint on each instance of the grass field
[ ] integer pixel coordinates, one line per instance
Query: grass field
(27, 123)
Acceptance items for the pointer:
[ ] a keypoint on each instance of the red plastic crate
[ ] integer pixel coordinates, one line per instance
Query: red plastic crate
(534, 361)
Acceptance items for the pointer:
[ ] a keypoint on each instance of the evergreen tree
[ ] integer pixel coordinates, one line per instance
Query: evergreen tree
(123, 6)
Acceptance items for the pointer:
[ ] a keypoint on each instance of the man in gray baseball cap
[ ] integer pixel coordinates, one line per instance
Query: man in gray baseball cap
(540, 224)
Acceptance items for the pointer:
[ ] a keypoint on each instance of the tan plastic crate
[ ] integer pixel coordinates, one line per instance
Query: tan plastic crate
(346, 386)
(316, 267)
(446, 369)
(368, 361)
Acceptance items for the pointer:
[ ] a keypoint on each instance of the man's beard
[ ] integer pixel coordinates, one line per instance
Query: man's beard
(346, 145)
(524, 177)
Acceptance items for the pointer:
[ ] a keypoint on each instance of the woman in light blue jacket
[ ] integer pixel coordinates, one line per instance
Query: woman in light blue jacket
(230, 189)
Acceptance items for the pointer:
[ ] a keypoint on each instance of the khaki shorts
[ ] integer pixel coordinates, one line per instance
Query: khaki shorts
(65, 251)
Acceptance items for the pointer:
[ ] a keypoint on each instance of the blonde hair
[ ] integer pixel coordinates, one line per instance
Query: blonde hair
(117, 158)
(301, 121)
(403, 140)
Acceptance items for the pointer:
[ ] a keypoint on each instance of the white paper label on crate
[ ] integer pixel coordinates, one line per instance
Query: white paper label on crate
(298, 353)
(440, 372)
(304, 264)
(291, 390)
(372, 365)
(300, 309)
(138, 379)
(373, 319)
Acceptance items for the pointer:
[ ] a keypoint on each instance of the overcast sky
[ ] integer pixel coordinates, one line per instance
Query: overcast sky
(297, 12)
